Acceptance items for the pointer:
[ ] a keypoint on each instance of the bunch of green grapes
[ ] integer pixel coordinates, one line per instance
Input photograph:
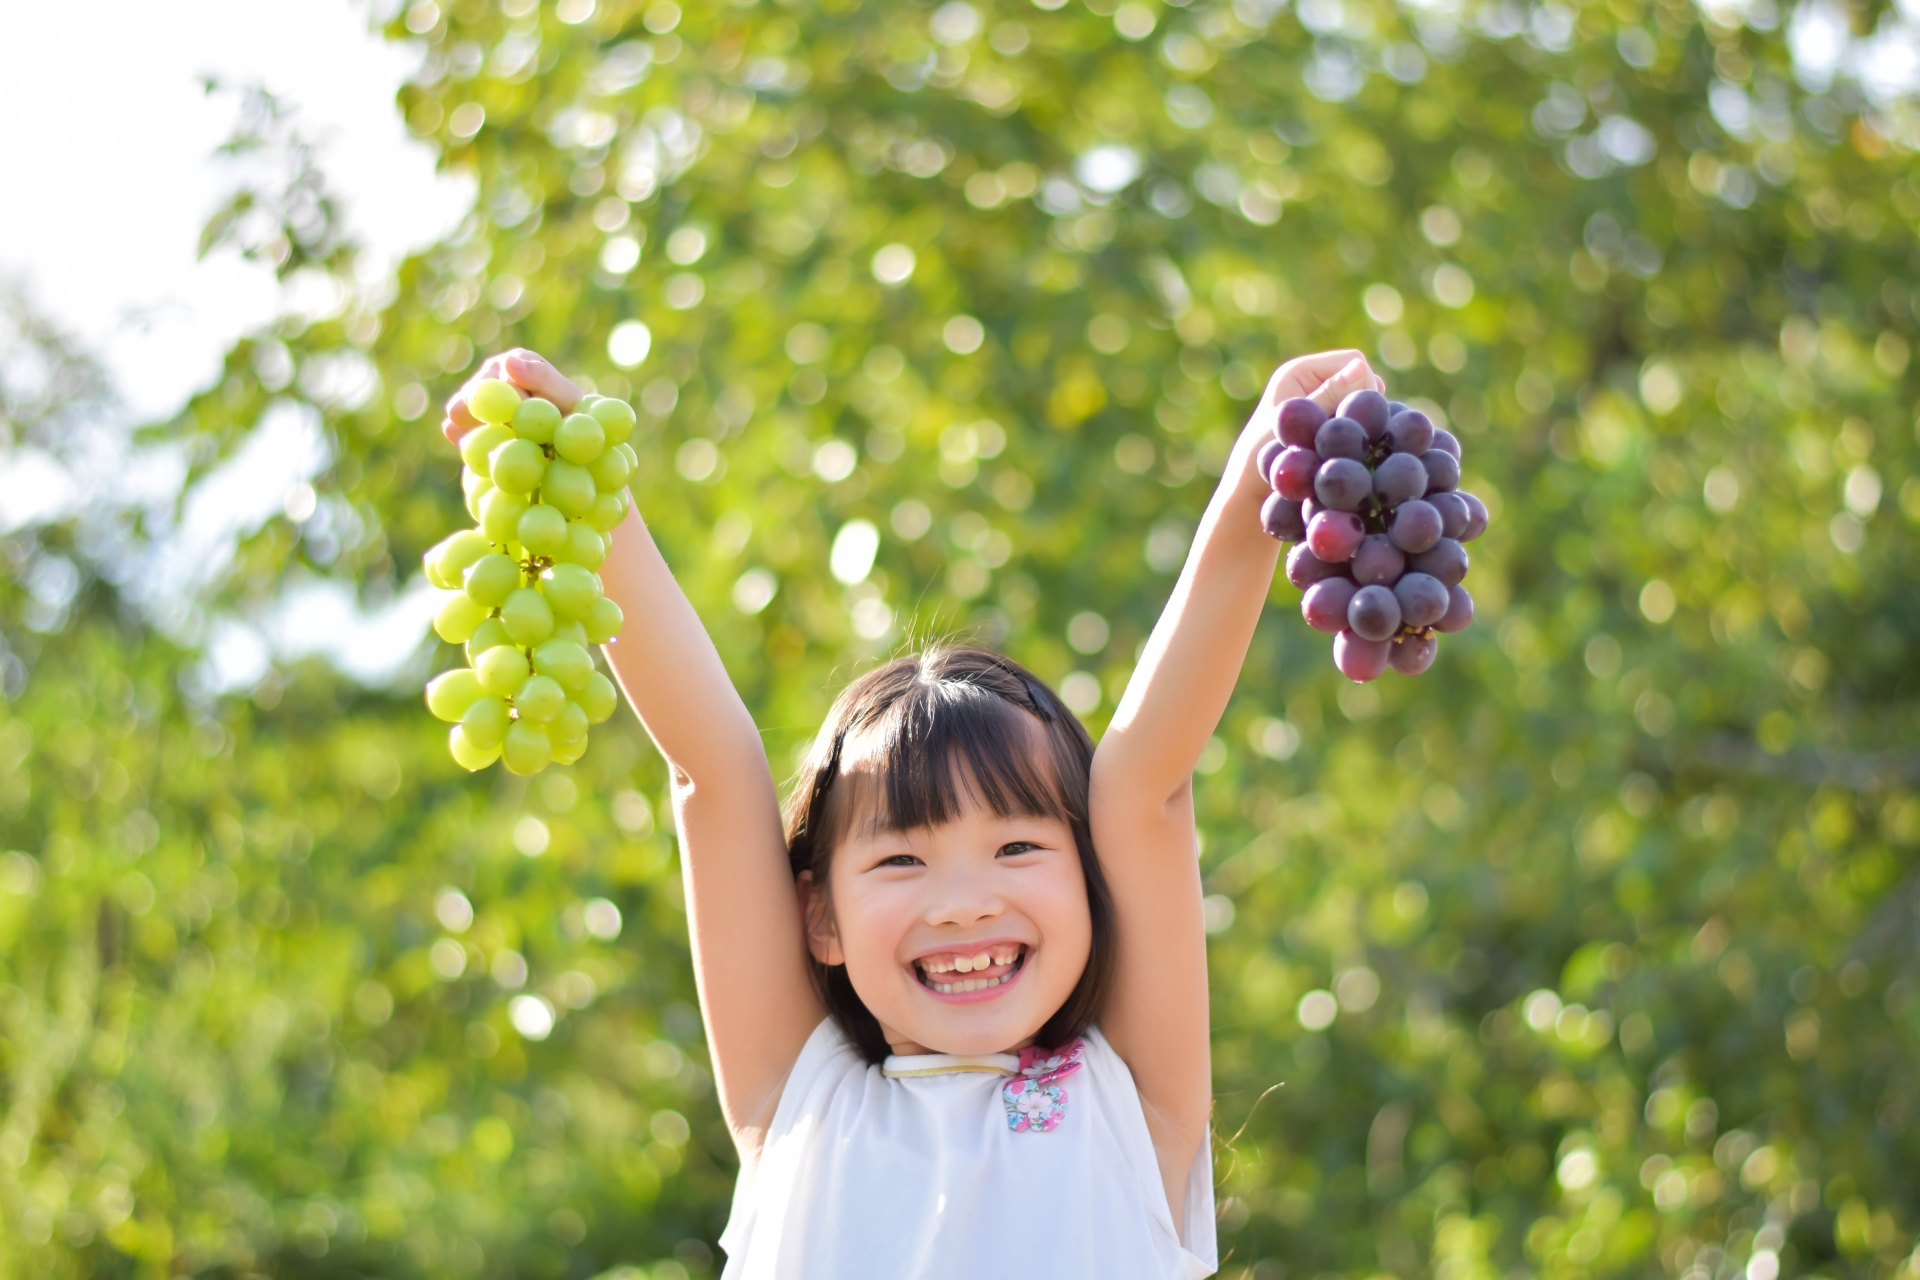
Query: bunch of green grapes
(547, 490)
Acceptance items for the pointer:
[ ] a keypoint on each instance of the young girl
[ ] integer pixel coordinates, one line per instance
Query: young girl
(957, 1002)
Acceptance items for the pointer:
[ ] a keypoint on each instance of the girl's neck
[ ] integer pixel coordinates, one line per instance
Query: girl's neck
(903, 1047)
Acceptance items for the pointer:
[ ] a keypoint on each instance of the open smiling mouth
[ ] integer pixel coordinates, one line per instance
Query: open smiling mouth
(956, 973)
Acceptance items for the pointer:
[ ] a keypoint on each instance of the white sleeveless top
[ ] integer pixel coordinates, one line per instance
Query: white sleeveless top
(913, 1170)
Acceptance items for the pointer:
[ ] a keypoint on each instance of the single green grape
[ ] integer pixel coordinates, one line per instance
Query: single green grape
(451, 693)
(567, 662)
(568, 486)
(502, 669)
(565, 752)
(477, 444)
(486, 722)
(535, 420)
(570, 725)
(580, 438)
(430, 561)
(586, 402)
(607, 511)
(494, 401)
(458, 618)
(599, 698)
(617, 417)
(611, 470)
(466, 753)
(584, 546)
(603, 620)
(461, 550)
(517, 466)
(490, 634)
(477, 497)
(527, 749)
(543, 530)
(571, 591)
(500, 517)
(490, 578)
(539, 698)
(528, 616)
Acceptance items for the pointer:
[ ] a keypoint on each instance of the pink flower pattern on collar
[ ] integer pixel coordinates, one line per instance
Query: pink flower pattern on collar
(1036, 1103)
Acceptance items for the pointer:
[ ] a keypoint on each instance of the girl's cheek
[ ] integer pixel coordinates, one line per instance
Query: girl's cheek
(1064, 905)
(875, 922)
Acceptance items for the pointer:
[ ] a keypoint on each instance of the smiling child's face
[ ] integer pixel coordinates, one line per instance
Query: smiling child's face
(963, 937)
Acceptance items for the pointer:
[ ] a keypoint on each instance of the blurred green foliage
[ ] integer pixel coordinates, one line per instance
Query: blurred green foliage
(1592, 952)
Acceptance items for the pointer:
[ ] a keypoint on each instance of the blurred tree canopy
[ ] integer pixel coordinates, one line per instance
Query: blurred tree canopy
(1593, 952)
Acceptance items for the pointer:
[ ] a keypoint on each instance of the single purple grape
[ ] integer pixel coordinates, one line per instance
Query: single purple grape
(1342, 483)
(1423, 599)
(1445, 560)
(1305, 568)
(1374, 613)
(1415, 527)
(1445, 441)
(1281, 519)
(1360, 660)
(1443, 470)
(1325, 604)
(1341, 438)
(1368, 408)
(1410, 431)
(1263, 459)
(1394, 407)
(1459, 610)
(1335, 536)
(1292, 473)
(1413, 654)
(1400, 477)
(1299, 419)
(1378, 560)
(1453, 513)
(1476, 518)
(1309, 508)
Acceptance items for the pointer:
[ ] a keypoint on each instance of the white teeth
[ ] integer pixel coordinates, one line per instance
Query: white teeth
(968, 984)
(969, 964)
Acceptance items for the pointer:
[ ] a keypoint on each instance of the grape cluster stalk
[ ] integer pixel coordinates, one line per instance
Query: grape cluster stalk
(1371, 497)
(546, 490)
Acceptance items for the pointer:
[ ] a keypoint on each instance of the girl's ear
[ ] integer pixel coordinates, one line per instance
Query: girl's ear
(816, 917)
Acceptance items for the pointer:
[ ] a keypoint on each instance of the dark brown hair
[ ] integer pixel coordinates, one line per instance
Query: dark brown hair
(952, 719)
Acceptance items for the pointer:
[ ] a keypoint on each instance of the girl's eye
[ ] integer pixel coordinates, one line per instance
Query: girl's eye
(900, 860)
(1017, 848)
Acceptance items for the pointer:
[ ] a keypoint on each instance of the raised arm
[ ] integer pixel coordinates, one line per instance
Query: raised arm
(743, 916)
(1142, 792)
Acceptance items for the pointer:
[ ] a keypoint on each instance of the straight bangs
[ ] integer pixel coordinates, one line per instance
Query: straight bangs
(912, 744)
(942, 748)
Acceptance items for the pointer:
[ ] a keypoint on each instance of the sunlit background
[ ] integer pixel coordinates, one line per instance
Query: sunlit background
(1594, 952)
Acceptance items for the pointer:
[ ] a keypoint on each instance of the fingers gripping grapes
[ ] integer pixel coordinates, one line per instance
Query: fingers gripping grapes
(545, 489)
(1369, 491)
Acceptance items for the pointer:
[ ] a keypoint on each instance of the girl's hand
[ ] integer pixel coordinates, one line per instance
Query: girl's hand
(528, 372)
(1326, 378)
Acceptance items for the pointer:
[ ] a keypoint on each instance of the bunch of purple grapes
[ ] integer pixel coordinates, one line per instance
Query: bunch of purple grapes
(1372, 497)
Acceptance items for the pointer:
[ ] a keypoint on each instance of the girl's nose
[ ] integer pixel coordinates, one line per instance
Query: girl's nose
(962, 900)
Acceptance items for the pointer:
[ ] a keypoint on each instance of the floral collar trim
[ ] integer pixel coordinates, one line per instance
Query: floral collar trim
(1036, 1101)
